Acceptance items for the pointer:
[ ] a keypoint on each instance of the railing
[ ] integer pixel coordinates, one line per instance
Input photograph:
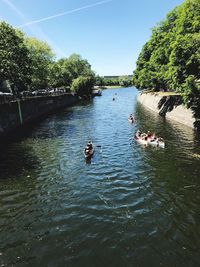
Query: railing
(8, 97)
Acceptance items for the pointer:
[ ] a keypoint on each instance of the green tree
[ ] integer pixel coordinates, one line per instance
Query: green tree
(173, 51)
(83, 85)
(15, 61)
(124, 81)
(59, 74)
(77, 66)
(65, 70)
(170, 60)
(99, 81)
(42, 58)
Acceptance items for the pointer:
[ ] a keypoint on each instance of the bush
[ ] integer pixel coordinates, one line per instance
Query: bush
(82, 86)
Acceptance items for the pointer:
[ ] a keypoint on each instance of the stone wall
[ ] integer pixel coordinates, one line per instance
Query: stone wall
(16, 114)
(179, 113)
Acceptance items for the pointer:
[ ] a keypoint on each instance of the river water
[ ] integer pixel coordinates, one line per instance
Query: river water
(130, 206)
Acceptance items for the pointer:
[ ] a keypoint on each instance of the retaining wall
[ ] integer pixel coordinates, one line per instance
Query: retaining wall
(180, 113)
(16, 114)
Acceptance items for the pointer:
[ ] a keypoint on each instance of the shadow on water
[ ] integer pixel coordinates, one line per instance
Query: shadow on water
(17, 155)
(174, 133)
(16, 159)
(174, 183)
(56, 130)
(181, 146)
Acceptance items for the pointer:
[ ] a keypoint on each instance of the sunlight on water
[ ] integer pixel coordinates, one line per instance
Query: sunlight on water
(131, 206)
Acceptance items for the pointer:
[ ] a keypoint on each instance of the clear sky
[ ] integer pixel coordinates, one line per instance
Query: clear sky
(109, 34)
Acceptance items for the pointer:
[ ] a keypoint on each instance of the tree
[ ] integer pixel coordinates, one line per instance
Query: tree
(83, 85)
(124, 81)
(77, 66)
(42, 57)
(59, 74)
(15, 61)
(26, 62)
(170, 60)
(191, 96)
(173, 51)
(99, 81)
(65, 70)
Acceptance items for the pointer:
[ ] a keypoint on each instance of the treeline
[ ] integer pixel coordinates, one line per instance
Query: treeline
(123, 81)
(28, 64)
(170, 60)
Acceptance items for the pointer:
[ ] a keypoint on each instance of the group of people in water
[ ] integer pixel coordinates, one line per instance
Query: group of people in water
(139, 135)
(149, 136)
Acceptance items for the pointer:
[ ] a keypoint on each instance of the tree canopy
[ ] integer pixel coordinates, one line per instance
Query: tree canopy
(83, 85)
(170, 60)
(173, 52)
(42, 57)
(27, 63)
(15, 61)
(65, 70)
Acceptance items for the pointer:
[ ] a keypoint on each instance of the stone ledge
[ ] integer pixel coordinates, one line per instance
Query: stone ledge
(180, 113)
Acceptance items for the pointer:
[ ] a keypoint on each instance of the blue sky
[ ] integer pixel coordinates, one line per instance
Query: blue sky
(109, 34)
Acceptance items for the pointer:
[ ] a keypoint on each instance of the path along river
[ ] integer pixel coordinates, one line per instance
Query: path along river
(131, 206)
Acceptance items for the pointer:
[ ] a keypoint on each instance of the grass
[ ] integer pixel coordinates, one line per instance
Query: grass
(112, 86)
(167, 93)
(160, 93)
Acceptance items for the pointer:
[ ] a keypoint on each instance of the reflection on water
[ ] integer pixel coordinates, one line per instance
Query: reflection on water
(131, 206)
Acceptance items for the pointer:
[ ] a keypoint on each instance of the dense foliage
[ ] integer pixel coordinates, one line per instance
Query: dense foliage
(65, 70)
(15, 62)
(170, 60)
(83, 85)
(123, 81)
(29, 64)
(41, 59)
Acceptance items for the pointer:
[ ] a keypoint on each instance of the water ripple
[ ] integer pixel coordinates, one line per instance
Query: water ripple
(130, 206)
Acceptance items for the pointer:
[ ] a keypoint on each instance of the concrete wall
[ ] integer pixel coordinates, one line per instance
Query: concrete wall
(16, 114)
(179, 113)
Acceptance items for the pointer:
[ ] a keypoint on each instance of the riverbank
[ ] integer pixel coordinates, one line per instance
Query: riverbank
(179, 113)
(17, 114)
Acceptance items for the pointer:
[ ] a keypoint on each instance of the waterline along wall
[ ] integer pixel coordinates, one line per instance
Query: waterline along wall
(178, 113)
(15, 114)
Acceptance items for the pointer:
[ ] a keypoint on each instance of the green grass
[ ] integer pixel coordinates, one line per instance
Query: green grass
(112, 86)
(167, 93)
(160, 93)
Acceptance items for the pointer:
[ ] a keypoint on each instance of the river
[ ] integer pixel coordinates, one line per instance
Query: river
(130, 206)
